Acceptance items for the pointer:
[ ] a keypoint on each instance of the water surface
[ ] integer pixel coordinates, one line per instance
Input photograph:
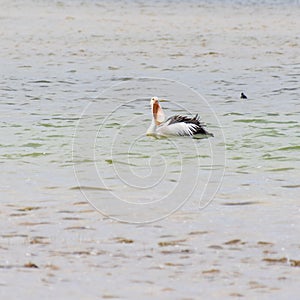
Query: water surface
(59, 57)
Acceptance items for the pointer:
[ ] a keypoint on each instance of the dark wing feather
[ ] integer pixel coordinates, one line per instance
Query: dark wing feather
(197, 129)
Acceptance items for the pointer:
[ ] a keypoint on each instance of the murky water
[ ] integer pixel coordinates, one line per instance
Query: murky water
(68, 65)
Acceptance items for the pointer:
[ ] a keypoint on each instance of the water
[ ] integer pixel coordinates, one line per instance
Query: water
(65, 66)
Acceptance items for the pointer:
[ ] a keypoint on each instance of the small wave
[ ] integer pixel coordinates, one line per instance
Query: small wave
(90, 188)
(290, 148)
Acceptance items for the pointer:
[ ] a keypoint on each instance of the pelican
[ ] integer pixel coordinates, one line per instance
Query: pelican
(176, 125)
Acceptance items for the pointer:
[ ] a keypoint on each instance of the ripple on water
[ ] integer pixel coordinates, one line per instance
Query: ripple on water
(263, 121)
(290, 148)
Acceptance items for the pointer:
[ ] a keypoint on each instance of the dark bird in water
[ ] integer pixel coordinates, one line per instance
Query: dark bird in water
(176, 125)
(243, 96)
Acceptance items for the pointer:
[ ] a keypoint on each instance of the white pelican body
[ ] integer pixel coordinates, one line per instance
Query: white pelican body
(176, 125)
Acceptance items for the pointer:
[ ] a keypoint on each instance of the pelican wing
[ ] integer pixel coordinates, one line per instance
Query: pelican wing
(176, 129)
(182, 125)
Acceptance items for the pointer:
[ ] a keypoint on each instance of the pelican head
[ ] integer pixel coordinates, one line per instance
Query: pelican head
(153, 100)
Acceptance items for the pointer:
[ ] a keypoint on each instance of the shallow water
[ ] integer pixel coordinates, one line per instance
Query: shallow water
(65, 67)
